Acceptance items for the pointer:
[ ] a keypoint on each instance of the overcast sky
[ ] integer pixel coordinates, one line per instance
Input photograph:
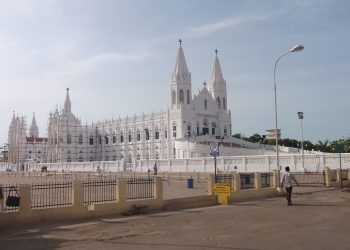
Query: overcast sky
(117, 57)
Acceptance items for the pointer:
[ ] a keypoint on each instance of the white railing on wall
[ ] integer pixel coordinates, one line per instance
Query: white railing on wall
(261, 163)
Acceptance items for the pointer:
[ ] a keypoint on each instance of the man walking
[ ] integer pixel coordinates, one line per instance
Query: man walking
(287, 181)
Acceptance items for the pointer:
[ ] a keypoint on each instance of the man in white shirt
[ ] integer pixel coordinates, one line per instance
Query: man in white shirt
(287, 181)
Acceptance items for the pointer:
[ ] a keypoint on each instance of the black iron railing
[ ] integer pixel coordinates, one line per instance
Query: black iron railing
(225, 178)
(100, 191)
(333, 175)
(344, 174)
(265, 180)
(247, 181)
(140, 188)
(310, 179)
(51, 194)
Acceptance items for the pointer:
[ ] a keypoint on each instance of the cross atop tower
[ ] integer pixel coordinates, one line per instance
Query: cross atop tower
(216, 51)
(180, 41)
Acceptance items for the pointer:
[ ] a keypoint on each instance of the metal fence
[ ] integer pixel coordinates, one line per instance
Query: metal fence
(100, 191)
(247, 181)
(52, 194)
(265, 180)
(6, 189)
(140, 188)
(310, 179)
(333, 175)
(344, 174)
(225, 178)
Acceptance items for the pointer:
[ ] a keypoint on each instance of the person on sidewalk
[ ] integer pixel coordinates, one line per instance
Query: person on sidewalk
(287, 181)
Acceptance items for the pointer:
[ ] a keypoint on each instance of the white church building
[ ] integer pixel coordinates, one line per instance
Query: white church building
(190, 123)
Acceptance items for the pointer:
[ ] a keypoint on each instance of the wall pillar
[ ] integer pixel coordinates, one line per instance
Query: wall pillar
(211, 183)
(237, 182)
(25, 201)
(121, 194)
(257, 181)
(78, 195)
(274, 179)
(327, 176)
(158, 181)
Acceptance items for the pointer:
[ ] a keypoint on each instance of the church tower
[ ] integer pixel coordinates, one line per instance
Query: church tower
(181, 89)
(217, 85)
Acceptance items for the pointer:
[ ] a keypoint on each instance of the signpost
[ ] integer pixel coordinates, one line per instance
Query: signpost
(214, 151)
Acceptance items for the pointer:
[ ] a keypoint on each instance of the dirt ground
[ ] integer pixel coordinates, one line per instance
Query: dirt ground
(318, 219)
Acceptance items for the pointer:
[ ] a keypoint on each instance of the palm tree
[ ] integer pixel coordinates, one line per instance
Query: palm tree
(323, 146)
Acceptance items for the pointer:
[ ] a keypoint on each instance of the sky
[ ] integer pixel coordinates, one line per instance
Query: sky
(117, 58)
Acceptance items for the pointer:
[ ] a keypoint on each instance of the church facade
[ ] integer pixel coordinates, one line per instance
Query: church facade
(166, 135)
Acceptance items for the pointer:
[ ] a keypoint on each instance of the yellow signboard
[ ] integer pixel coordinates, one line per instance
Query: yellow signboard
(222, 189)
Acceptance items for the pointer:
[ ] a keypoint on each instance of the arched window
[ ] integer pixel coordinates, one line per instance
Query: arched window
(138, 156)
(205, 123)
(189, 130)
(213, 127)
(174, 130)
(80, 139)
(173, 96)
(130, 137)
(106, 139)
(114, 139)
(147, 134)
(138, 135)
(188, 96)
(205, 104)
(218, 102)
(69, 139)
(181, 96)
(121, 138)
(91, 141)
(224, 103)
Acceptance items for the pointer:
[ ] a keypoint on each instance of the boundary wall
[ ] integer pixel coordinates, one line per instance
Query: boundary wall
(258, 163)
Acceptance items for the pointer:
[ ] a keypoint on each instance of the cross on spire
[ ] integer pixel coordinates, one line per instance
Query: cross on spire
(216, 51)
(180, 41)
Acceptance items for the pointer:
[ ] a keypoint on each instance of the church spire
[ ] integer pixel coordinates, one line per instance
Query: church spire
(34, 131)
(180, 65)
(67, 103)
(216, 77)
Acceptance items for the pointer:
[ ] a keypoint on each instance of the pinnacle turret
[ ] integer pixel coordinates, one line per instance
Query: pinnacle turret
(67, 103)
(34, 131)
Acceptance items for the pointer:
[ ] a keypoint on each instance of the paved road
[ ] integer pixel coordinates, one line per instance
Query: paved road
(319, 219)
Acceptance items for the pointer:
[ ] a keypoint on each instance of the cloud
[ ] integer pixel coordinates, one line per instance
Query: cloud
(232, 23)
(91, 63)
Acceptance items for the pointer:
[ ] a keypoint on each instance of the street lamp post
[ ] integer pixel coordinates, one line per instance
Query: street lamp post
(294, 49)
(301, 117)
